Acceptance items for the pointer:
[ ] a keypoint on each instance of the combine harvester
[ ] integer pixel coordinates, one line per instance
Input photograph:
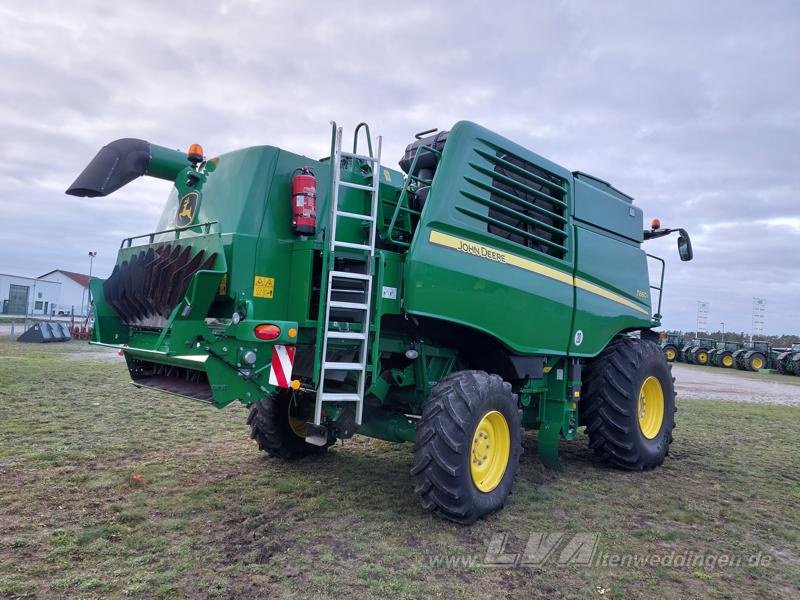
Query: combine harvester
(483, 291)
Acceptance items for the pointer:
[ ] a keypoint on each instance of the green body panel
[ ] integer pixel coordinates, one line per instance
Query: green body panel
(597, 204)
(601, 317)
(557, 296)
(527, 312)
(530, 312)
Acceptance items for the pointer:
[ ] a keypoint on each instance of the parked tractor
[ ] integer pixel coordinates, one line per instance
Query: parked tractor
(787, 360)
(754, 356)
(482, 291)
(695, 352)
(722, 354)
(670, 345)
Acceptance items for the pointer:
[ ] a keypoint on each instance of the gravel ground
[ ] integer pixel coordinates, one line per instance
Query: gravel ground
(713, 383)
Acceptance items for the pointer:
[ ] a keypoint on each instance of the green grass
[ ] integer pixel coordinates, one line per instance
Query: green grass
(211, 517)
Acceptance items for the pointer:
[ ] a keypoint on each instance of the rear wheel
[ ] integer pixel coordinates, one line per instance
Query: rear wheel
(279, 428)
(726, 360)
(469, 441)
(671, 353)
(629, 404)
(756, 361)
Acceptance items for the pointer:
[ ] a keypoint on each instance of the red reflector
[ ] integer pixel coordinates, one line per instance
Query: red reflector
(267, 331)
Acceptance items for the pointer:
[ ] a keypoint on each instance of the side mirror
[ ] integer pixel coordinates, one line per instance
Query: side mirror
(684, 246)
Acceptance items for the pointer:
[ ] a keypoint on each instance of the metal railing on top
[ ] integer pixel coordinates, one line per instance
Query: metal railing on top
(128, 242)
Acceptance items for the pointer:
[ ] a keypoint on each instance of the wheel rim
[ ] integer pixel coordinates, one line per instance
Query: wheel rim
(651, 407)
(298, 426)
(491, 448)
(702, 357)
(757, 362)
(727, 361)
(670, 354)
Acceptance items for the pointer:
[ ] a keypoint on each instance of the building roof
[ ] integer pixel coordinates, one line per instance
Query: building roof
(32, 278)
(78, 278)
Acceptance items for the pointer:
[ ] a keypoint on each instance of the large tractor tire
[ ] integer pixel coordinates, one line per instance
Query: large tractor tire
(781, 362)
(670, 353)
(277, 429)
(756, 361)
(726, 360)
(469, 441)
(629, 404)
(700, 356)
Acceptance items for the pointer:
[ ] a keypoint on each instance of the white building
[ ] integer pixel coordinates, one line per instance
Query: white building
(28, 296)
(74, 298)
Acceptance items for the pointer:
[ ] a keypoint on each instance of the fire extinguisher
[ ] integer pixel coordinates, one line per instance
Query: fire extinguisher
(304, 201)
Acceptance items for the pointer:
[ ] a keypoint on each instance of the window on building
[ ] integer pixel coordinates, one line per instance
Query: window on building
(37, 305)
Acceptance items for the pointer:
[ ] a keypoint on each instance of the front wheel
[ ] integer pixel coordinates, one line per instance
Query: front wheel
(670, 352)
(756, 361)
(701, 357)
(629, 404)
(726, 360)
(469, 441)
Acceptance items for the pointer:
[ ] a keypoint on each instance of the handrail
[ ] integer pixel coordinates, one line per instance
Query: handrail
(659, 287)
(207, 225)
(404, 195)
(369, 138)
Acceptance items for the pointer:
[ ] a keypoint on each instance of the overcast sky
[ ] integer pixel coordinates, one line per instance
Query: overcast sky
(691, 107)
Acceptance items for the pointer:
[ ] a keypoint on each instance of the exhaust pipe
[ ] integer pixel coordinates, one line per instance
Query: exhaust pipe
(122, 161)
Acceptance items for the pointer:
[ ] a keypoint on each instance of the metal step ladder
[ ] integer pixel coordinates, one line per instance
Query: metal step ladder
(361, 256)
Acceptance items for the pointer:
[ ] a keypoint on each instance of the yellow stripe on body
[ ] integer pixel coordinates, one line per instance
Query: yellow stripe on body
(503, 257)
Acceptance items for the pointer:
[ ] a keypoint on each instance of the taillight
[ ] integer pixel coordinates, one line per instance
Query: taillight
(267, 331)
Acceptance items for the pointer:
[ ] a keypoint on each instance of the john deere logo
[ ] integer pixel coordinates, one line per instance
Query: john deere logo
(186, 209)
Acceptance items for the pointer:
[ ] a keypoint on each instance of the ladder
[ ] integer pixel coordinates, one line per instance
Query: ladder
(361, 255)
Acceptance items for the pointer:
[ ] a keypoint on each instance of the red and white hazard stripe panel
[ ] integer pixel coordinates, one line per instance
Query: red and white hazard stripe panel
(282, 361)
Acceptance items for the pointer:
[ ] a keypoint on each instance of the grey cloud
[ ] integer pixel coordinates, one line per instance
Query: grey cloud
(689, 107)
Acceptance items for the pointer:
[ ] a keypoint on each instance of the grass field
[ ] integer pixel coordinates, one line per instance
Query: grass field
(109, 491)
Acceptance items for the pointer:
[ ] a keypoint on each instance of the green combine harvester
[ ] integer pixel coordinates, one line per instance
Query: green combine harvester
(482, 291)
(787, 360)
(722, 354)
(670, 345)
(754, 355)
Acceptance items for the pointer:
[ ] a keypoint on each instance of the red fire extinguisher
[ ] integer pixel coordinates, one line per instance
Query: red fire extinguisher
(304, 201)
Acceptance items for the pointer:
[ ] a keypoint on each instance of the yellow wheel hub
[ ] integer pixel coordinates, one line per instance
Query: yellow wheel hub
(702, 358)
(758, 363)
(727, 361)
(670, 354)
(491, 449)
(651, 407)
(298, 426)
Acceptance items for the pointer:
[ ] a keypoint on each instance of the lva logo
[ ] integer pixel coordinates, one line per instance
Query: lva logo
(558, 547)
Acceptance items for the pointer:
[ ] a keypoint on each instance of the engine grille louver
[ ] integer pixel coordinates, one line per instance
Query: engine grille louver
(527, 204)
(146, 288)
